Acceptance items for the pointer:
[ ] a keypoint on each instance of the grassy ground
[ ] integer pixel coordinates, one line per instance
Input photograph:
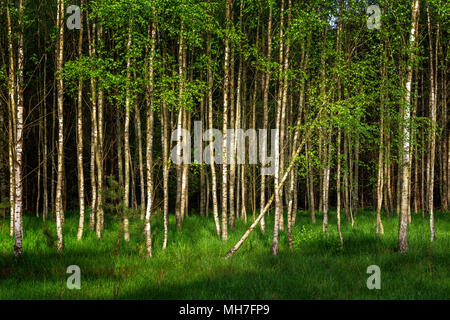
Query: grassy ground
(193, 266)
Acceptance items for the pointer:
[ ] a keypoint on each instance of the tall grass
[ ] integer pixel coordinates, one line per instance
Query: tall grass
(193, 265)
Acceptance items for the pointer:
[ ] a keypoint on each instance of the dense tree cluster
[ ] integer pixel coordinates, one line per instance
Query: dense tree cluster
(361, 112)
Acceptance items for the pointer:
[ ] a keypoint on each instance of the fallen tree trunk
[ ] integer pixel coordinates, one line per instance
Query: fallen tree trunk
(279, 186)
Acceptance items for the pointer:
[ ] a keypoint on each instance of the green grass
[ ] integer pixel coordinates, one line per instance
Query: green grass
(193, 266)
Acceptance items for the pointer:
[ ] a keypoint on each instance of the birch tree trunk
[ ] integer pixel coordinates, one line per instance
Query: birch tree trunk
(164, 128)
(226, 89)
(405, 172)
(432, 139)
(18, 136)
(99, 149)
(338, 187)
(137, 117)
(180, 122)
(279, 143)
(126, 199)
(284, 110)
(60, 148)
(203, 196)
(266, 113)
(339, 137)
(326, 150)
(232, 142)
(380, 179)
(310, 186)
(45, 151)
(326, 184)
(91, 45)
(284, 125)
(80, 136)
(12, 131)
(211, 125)
(184, 172)
(149, 154)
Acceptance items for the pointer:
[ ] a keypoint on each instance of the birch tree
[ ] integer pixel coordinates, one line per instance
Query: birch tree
(405, 170)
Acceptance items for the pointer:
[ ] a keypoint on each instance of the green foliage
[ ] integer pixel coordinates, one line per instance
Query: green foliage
(4, 203)
(309, 240)
(193, 267)
(113, 204)
(49, 237)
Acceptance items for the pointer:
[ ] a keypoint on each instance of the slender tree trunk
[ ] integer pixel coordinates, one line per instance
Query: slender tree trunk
(243, 171)
(448, 167)
(80, 138)
(255, 91)
(232, 151)
(432, 154)
(119, 146)
(310, 185)
(326, 184)
(326, 149)
(126, 198)
(339, 137)
(266, 113)
(446, 151)
(91, 44)
(346, 180)
(3, 148)
(243, 193)
(18, 133)
(99, 149)
(388, 167)
(405, 172)
(38, 198)
(207, 194)
(355, 189)
(211, 125)
(295, 208)
(203, 197)
(180, 121)
(284, 125)
(423, 156)
(45, 151)
(226, 89)
(380, 179)
(149, 154)
(338, 187)
(165, 134)
(137, 117)
(60, 149)
(184, 172)
(12, 132)
(279, 142)
(178, 208)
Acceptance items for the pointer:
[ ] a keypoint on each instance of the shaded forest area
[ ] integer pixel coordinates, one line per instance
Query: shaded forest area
(88, 112)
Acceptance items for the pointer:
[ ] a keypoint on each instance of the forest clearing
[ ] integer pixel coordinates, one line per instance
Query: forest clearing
(224, 149)
(193, 266)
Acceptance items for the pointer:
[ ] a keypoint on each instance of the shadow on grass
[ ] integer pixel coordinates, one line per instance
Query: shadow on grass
(193, 266)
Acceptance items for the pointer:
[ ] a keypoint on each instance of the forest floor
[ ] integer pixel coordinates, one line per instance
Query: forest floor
(193, 267)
